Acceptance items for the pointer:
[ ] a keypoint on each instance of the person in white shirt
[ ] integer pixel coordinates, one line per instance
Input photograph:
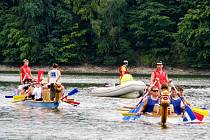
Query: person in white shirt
(54, 76)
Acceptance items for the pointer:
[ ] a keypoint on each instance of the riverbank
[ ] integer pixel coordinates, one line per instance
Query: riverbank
(90, 69)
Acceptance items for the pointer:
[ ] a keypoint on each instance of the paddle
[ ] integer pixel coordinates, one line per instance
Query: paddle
(18, 98)
(200, 111)
(187, 108)
(70, 101)
(8, 96)
(140, 104)
(72, 92)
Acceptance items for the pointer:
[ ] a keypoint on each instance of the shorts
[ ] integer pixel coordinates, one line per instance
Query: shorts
(52, 90)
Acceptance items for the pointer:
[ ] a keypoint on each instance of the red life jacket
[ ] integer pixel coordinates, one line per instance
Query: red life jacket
(162, 76)
(122, 69)
(25, 71)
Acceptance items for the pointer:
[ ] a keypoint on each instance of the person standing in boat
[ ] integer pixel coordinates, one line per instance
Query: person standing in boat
(25, 73)
(123, 69)
(159, 75)
(150, 101)
(54, 77)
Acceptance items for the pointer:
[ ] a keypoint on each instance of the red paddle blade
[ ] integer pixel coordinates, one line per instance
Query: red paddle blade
(199, 117)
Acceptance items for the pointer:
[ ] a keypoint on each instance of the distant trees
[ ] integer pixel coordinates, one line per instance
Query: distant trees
(104, 32)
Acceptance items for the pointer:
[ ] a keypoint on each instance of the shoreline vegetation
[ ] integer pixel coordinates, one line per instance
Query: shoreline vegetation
(101, 70)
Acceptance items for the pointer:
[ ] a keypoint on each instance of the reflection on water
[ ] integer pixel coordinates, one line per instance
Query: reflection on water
(94, 118)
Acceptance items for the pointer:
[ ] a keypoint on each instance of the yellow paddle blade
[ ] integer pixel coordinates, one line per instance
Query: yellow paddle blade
(201, 111)
(126, 113)
(17, 98)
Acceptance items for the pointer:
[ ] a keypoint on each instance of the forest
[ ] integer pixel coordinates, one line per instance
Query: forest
(105, 32)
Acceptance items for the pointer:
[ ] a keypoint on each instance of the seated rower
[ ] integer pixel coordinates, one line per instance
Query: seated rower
(182, 96)
(176, 102)
(150, 101)
(37, 92)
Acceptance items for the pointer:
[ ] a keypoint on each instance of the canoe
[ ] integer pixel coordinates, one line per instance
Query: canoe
(130, 89)
(41, 104)
(156, 119)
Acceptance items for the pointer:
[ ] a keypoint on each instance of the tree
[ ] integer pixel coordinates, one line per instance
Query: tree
(194, 34)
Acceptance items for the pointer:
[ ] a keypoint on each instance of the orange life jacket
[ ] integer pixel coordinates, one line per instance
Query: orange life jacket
(161, 76)
(122, 69)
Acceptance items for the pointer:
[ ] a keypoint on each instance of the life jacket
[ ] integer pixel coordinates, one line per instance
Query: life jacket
(122, 69)
(176, 104)
(150, 104)
(162, 77)
(125, 78)
(25, 71)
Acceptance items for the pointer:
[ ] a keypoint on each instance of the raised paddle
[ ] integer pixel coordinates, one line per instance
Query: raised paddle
(72, 92)
(187, 108)
(139, 105)
(70, 101)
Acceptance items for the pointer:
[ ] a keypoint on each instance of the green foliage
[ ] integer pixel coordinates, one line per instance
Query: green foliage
(104, 32)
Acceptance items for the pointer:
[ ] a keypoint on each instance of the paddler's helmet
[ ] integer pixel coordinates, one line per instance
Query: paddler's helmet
(125, 62)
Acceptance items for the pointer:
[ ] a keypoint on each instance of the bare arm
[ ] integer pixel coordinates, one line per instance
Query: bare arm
(152, 78)
(144, 106)
(59, 76)
(48, 77)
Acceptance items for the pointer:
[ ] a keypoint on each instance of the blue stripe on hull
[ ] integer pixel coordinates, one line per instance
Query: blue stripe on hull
(41, 104)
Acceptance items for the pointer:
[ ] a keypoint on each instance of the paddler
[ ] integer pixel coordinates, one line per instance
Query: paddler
(123, 69)
(150, 101)
(25, 73)
(159, 75)
(180, 90)
(54, 76)
(176, 102)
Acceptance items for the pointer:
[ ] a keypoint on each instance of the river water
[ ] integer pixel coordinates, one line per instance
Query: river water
(96, 118)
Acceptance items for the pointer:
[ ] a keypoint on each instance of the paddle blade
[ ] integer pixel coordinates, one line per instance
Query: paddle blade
(8, 96)
(19, 98)
(199, 117)
(125, 113)
(72, 92)
(190, 113)
(201, 111)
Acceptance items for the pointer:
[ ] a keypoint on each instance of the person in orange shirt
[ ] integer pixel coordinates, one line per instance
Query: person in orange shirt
(25, 73)
(123, 69)
(159, 75)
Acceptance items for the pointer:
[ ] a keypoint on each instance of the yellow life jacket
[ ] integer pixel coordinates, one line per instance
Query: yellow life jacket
(125, 78)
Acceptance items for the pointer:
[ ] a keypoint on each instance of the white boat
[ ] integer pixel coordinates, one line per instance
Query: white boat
(131, 89)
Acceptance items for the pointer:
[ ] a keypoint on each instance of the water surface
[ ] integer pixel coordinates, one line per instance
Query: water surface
(95, 118)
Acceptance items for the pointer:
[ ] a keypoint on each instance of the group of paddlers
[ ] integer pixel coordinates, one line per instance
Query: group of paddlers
(38, 89)
(159, 80)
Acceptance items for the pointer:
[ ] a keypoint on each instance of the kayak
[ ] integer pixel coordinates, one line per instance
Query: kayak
(131, 89)
(41, 104)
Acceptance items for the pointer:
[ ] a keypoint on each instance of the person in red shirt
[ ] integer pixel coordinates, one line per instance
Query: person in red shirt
(25, 73)
(159, 75)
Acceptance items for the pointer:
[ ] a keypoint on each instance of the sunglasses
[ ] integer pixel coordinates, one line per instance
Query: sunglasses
(155, 90)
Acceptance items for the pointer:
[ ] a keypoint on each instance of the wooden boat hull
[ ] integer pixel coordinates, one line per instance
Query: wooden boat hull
(41, 104)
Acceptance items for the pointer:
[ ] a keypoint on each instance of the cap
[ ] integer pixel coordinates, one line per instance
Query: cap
(25, 60)
(159, 63)
(125, 61)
